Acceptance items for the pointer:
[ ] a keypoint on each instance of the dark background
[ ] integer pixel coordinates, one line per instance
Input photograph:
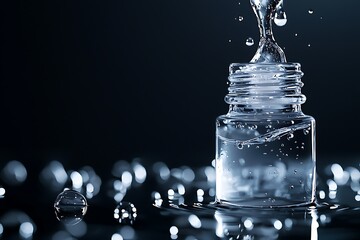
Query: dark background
(91, 82)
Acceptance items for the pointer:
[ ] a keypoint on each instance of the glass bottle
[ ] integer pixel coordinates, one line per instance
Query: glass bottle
(265, 145)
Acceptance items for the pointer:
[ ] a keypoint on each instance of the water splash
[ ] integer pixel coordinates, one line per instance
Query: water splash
(270, 136)
(268, 50)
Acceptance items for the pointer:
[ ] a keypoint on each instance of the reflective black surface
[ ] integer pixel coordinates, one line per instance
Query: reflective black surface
(137, 200)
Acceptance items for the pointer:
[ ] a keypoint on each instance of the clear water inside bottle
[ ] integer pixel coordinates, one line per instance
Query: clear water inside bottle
(262, 161)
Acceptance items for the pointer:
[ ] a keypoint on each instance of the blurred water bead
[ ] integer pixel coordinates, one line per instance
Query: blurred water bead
(173, 232)
(125, 213)
(78, 230)
(248, 224)
(124, 171)
(310, 11)
(139, 171)
(118, 191)
(341, 177)
(2, 192)
(70, 207)
(54, 176)
(241, 18)
(188, 174)
(249, 42)
(19, 221)
(26, 230)
(157, 199)
(161, 171)
(194, 221)
(116, 236)
(76, 180)
(278, 224)
(14, 173)
(127, 232)
(91, 182)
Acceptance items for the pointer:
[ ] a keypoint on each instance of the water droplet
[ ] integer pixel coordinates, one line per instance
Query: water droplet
(306, 132)
(292, 187)
(290, 136)
(125, 213)
(229, 40)
(240, 146)
(282, 145)
(309, 45)
(70, 207)
(296, 34)
(249, 42)
(311, 11)
(295, 171)
(280, 18)
(241, 18)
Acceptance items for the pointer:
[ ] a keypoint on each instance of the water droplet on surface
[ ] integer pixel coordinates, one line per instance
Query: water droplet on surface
(292, 187)
(125, 213)
(306, 132)
(249, 42)
(311, 11)
(280, 18)
(70, 207)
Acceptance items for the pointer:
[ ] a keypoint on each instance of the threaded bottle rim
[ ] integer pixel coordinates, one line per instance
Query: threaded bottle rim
(265, 85)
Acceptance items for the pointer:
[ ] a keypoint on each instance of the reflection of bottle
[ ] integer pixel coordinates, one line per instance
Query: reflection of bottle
(265, 147)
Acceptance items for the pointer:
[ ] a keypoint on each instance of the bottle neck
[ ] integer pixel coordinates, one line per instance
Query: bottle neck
(265, 88)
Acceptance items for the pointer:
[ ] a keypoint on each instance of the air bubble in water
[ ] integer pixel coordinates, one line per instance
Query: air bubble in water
(125, 213)
(311, 11)
(249, 42)
(280, 18)
(306, 132)
(292, 187)
(241, 18)
(70, 207)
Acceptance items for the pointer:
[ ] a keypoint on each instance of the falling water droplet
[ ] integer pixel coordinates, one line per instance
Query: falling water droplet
(280, 18)
(311, 11)
(70, 207)
(249, 42)
(125, 213)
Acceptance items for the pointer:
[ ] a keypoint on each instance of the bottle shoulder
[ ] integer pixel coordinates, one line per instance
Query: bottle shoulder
(298, 116)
